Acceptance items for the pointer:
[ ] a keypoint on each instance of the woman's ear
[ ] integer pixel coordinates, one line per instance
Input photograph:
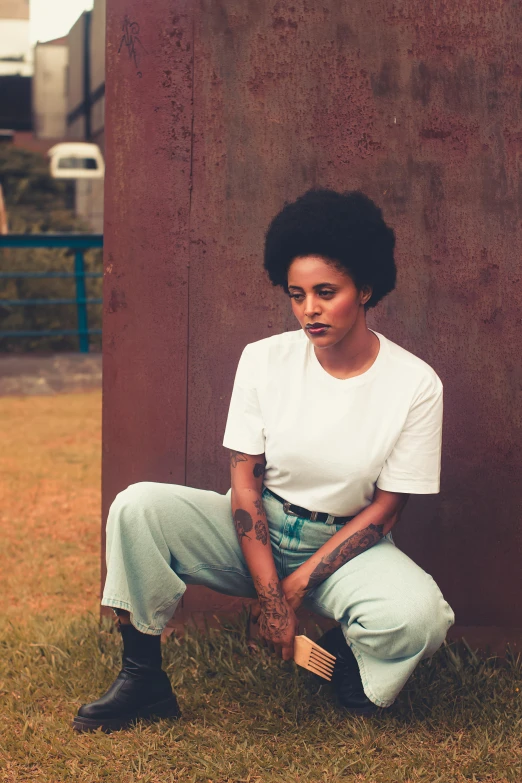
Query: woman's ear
(366, 294)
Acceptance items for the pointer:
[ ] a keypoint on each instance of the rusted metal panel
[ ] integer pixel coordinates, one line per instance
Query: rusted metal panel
(419, 106)
(147, 198)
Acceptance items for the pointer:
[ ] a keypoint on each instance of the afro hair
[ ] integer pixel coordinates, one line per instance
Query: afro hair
(347, 229)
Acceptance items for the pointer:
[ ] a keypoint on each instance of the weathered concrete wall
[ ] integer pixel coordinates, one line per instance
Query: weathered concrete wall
(97, 74)
(75, 79)
(49, 90)
(417, 104)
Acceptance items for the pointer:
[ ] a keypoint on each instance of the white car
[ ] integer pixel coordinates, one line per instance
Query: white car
(76, 160)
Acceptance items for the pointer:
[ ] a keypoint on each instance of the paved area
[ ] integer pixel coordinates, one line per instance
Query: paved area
(30, 374)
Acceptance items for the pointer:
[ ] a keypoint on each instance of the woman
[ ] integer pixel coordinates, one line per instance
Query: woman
(330, 428)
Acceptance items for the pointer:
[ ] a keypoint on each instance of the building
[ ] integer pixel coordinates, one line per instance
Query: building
(85, 119)
(50, 88)
(69, 97)
(86, 81)
(15, 45)
(15, 69)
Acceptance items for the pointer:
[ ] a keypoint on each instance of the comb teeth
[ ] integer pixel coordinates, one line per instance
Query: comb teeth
(321, 666)
(319, 673)
(319, 669)
(323, 653)
(312, 657)
(329, 661)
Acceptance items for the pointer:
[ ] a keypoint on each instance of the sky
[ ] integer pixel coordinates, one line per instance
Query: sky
(54, 18)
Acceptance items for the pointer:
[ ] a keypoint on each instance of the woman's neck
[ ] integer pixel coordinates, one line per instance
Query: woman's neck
(353, 355)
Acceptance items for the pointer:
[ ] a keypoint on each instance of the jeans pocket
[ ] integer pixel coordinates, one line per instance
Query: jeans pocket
(275, 516)
(312, 535)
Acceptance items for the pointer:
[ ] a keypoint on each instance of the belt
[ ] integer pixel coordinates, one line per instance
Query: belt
(304, 513)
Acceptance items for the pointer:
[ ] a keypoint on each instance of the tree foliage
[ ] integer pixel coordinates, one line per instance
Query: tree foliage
(35, 203)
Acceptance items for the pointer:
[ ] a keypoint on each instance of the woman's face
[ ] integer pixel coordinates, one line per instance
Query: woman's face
(325, 300)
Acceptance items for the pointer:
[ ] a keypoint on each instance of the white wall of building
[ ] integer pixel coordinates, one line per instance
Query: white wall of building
(75, 86)
(98, 66)
(98, 17)
(15, 43)
(50, 90)
(89, 202)
(89, 193)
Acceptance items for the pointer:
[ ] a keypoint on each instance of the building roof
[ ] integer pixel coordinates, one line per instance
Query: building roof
(55, 41)
(14, 9)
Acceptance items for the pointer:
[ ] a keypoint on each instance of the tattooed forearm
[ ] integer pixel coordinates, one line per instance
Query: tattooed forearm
(258, 503)
(243, 523)
(261, 531)
(259, 469)
(347, 550)
(275, 615)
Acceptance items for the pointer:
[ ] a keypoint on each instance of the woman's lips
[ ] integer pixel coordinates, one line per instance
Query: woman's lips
(316, 329)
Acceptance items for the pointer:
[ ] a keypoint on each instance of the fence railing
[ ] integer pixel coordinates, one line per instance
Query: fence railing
(78, 243)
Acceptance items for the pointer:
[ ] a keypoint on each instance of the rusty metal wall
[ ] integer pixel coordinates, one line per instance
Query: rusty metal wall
(147, 197)
(419, 105)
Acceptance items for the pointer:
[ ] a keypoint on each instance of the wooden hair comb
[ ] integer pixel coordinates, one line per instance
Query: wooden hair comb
(311, 656)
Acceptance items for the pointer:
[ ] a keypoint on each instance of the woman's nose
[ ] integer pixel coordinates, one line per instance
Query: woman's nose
(312, 306)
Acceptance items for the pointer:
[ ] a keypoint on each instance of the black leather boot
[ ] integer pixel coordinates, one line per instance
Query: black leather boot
(346, 680)
(141, 689)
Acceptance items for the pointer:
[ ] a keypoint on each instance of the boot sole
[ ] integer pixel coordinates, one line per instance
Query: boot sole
(162, 709)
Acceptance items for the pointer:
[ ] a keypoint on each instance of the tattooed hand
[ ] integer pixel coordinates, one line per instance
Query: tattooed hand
(294, 590)
(277, 620)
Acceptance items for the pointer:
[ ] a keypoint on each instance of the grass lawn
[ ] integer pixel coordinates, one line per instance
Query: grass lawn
(246, 716)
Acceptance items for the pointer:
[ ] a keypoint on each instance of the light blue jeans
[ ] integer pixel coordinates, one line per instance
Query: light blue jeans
(161, 537)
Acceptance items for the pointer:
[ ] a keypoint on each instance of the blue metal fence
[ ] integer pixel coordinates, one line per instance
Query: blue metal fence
(79, 243)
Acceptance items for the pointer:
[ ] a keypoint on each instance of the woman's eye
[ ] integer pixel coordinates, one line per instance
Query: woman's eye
(326, 294)
(297, 297)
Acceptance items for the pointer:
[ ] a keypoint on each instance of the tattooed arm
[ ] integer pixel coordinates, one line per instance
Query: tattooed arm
(247, 473)
(365, 530)
(277, 620)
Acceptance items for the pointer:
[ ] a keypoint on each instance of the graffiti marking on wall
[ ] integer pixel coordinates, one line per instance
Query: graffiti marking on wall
(131, 39)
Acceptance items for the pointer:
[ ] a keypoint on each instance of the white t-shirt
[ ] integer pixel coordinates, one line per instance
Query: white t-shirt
(328, 442)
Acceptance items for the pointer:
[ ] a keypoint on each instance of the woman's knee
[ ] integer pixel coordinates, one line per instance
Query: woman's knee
(425, 621)
(128, 499)
(405, 626)
(130, 509)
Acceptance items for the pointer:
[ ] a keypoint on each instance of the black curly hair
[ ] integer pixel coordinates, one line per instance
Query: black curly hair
(347, 228)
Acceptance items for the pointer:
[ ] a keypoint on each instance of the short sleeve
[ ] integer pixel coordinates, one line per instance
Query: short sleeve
(414, 463)
(244, 429)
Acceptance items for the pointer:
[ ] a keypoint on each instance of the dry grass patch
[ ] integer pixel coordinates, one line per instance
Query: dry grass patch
(249, 717)
(50, 504)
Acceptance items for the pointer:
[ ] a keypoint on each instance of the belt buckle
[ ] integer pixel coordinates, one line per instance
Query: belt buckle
(286, 509)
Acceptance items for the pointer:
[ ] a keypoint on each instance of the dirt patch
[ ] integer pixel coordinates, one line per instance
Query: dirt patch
(36, 374)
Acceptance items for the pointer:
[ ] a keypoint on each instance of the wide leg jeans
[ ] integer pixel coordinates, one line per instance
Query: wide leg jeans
(161, 537)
